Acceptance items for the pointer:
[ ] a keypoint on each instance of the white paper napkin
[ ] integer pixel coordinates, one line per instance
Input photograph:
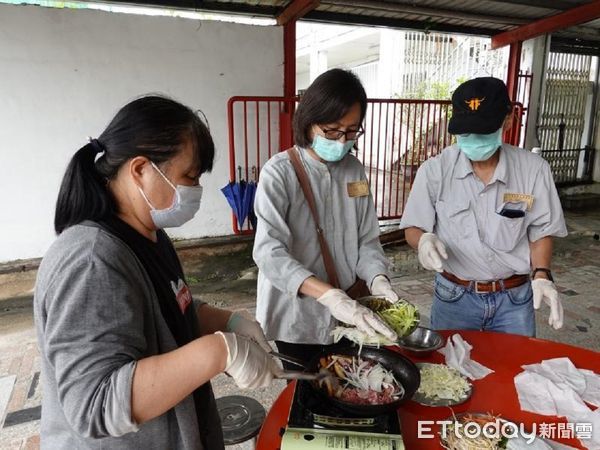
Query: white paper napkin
(520, 443)
(458, 356)
(558, 446)
(540, 395)
(561, 372)
(592, 387)
(556, 387)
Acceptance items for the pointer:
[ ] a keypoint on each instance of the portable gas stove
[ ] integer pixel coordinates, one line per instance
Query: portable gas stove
(315, 425)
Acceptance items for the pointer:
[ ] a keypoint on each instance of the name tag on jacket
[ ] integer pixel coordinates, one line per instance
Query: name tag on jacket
(358, 188)
(510, 197)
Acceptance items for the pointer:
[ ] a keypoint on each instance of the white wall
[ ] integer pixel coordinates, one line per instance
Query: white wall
(63, 75)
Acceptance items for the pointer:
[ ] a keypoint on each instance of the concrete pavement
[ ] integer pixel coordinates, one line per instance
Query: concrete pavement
(228, 280)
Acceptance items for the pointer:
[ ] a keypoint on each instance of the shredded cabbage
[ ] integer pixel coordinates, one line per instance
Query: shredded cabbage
(442, 382)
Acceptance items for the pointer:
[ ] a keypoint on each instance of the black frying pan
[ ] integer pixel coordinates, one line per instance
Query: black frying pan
(405, 372)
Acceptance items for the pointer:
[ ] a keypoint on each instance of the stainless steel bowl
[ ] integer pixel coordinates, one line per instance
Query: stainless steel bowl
(375, 303)
(422, 340)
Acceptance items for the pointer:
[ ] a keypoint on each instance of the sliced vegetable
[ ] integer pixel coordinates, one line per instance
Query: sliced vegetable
(361, 381)
(359, 337)
(442, 382)
(402, 317)
(456, 439)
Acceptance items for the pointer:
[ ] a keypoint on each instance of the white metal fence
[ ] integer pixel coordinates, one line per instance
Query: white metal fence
(448, 60)
(563, 111)
(433, 64)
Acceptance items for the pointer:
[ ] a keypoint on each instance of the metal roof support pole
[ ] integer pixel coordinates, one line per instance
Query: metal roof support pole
(296, 9)
(593, 114)
(289, 59)
(514, 65)
(293, 11)
(289, 85)
(538, 49)
(574, 16)
(594, 139)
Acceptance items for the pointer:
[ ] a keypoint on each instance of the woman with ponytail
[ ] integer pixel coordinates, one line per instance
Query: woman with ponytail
(127, 354)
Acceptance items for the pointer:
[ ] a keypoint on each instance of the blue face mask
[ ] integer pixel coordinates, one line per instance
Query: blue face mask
(479, 147)
(330, 150)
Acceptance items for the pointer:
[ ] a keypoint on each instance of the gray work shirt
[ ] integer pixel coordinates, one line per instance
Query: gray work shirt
(286, 248)
(96, 314)
(448, 199)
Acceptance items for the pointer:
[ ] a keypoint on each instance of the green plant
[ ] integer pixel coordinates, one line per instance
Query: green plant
(192, 279)
(426, 138)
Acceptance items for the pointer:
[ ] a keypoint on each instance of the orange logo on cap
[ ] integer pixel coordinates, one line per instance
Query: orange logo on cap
(474, 103)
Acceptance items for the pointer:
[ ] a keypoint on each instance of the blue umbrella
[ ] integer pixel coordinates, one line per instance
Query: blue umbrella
(234, 193)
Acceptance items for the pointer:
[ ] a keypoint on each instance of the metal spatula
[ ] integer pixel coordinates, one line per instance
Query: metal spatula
(297, 375)
(289, 359)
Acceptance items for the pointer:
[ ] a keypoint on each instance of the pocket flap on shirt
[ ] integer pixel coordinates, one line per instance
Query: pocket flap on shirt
(454, 207)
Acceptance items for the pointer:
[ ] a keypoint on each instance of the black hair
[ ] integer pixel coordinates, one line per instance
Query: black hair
(327, 99)
(153, 126)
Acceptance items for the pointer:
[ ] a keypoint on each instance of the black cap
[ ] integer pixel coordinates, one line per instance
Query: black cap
(479, 106)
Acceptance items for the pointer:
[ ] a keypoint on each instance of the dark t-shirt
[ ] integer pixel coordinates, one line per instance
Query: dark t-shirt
(175, 298)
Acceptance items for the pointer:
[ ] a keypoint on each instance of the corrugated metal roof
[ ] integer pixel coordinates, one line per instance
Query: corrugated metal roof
(482, 17)
(487, 16)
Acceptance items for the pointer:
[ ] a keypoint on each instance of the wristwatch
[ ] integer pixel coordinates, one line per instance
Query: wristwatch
(541, 269)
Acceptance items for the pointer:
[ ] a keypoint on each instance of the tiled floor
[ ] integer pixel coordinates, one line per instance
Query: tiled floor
(577, 269)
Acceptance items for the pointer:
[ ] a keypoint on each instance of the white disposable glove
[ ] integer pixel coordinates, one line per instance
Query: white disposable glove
(381, 287)
(349, 311)
(249, 328)
(247, 363)
(546, 290)
(431, 251)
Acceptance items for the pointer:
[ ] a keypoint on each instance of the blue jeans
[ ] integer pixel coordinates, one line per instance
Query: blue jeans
(457, 307)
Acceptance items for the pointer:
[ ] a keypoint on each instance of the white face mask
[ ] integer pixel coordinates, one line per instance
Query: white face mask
(185, 205)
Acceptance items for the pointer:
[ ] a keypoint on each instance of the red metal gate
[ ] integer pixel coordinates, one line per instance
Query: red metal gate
(399, 135)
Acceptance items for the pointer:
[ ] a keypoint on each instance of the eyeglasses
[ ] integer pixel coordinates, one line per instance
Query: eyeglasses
(335, 135)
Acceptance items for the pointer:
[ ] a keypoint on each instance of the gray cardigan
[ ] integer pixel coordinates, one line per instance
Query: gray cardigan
(96, 315)
(286, 245)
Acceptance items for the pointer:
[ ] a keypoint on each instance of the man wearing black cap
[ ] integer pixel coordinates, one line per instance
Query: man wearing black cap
(482, 214)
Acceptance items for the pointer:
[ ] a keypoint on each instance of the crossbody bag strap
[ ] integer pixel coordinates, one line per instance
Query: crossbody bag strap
(308, 194)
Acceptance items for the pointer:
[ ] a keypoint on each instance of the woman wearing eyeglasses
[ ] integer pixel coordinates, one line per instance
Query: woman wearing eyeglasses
(301, 297)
